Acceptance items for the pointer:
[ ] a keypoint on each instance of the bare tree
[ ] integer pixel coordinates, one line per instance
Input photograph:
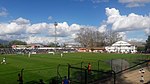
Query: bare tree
(90, 38)
(84, 37)
(112, 37)
(99, 39)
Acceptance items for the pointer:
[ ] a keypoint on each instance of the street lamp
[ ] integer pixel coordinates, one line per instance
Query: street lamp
(55, 24)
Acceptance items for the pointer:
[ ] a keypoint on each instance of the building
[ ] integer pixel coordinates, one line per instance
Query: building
(121, 47)
(28, 46)
(96, 49)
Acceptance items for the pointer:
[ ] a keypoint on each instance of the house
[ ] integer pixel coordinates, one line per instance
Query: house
(121, 47)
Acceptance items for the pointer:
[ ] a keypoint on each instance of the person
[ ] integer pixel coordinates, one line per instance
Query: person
(65, 81)
(142, 79)
(89, 68)
(29, 54)
(61, 55)
(3, 61)
(41, 81)
(54, 81)
(142, 71)
(20, 77)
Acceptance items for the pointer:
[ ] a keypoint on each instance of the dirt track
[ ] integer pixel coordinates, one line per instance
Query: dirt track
(133, 77)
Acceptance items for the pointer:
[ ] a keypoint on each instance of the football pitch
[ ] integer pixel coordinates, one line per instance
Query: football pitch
(44, 66)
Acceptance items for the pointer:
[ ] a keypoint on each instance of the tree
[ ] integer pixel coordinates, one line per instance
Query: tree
(51, 44)
(99, 39)
(16, 42)
(111, 37)
(147, 45)
(90, 37)
(1, 45)
(85, 37)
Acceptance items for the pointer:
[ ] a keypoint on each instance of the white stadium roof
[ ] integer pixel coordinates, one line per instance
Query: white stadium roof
(121, 43)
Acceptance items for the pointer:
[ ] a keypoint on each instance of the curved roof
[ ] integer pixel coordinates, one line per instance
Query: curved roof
(121, 43)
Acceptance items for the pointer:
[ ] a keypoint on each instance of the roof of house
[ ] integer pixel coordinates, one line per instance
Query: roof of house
(121, 43)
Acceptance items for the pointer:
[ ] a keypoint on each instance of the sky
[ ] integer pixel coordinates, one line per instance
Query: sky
(33, 20)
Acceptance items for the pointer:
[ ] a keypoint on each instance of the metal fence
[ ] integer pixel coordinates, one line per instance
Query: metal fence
(123, 75)
(82, 76)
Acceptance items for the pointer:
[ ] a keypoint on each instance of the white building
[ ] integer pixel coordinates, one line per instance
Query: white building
(121, 47)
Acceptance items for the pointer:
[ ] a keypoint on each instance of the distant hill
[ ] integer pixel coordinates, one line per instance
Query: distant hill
(3, 41)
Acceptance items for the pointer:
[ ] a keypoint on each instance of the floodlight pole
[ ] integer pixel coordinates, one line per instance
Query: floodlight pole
(55, 24)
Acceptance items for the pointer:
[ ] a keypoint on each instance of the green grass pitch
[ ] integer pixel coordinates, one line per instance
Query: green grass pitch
(44, 66)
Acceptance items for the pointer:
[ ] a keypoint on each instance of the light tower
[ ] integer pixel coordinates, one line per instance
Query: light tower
(55, 24)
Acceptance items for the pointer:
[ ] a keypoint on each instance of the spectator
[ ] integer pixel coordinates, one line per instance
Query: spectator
(41, 81)
(65, 81)
(89, 68)
(142, 79)
(142, 71)
(20, 77)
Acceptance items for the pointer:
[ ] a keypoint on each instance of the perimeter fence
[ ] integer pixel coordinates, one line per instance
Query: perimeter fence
(104, 72)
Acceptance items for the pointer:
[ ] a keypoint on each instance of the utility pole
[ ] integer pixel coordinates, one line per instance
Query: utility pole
(55, 24)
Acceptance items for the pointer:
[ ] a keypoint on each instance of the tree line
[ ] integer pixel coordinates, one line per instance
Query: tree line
(14, 42)
(18, 42)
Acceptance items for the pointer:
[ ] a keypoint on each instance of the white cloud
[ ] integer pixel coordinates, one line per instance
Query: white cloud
(147, 31)
(50, 18)
(37, 28)
(11, 28)
(130, 5)
(137, 39)
(126, 22)
(74, 27)
(38, 39)
(112, 11)
(134, 3)
(93, 1)
(79, 0)
(99, 1)
(102, 28)
(22, 29)
(21, 21)
(15, 27)
(3, 12)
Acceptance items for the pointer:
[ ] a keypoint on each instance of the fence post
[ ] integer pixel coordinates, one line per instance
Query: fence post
(81, 72)
(114, 74)
(86, 81)
(81, 64)
(20, 77)
(58, 75)
(69, 71)
(111, 64)
(121, 63)
(98, 65)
